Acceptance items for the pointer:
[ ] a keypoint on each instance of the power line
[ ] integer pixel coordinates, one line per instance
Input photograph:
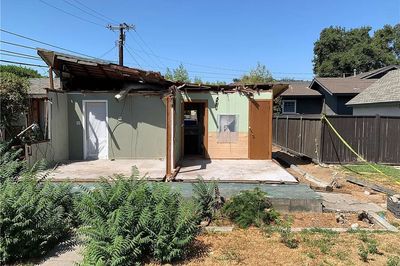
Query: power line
(19, 45)
(151, 50)
(20, 63)
(138, 55)
(132, 56)
(98, 13)
(22, 54)
(141, 47)
(44, 43)
(19, 56)
(71, 14)
(106, 53)
(83, 10)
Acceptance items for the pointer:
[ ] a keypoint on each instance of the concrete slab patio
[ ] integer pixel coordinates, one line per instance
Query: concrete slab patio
(248, 171)
(91, 171)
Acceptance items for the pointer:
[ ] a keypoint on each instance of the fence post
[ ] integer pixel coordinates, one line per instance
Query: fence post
(276, 129)
(300, 138)
(322, 140)
(377, 126)
(286, 130)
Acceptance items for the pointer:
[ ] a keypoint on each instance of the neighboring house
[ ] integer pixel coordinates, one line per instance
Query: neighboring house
(106, 111)
(300, 99)
(381, 98)
(329, 95)
(337, 92)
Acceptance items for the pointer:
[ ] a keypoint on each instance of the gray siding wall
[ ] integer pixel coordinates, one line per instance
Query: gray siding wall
(136, 126)
(307, 105)
(389, 109)
(342, 108)
(334, 104)
(56, 149)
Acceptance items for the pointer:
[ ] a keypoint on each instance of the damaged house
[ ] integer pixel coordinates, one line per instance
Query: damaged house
(107, 111)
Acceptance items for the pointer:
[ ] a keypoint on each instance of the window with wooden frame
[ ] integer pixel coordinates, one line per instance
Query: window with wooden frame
(288, 106)
(40, 113)
(228, 128)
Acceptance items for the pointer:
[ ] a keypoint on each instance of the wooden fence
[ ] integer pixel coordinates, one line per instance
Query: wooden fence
(375, 138)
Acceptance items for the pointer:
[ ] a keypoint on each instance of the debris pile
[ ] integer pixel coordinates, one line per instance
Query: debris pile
(393, 204)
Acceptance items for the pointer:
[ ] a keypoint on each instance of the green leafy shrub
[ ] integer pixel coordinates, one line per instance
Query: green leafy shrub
(363, 253)
(287, 236)
(128, 220)
(207, 197)
(250, 207)
(33, 217)
(393, 261)
(371, 243)
(12, 167)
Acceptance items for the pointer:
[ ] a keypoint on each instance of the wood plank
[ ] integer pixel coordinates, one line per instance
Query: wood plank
(169, 146)
(234, 150)
(363, 183)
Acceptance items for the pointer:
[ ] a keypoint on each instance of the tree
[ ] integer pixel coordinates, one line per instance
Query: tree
(179, 74)
(339, 51)
(168, 74)
(259, 74)
(13, 97)
(23, 72)
(197, 80)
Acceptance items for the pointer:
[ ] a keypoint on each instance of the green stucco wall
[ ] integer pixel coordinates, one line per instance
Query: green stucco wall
(136, 126)
(229, 103)
(56, 149)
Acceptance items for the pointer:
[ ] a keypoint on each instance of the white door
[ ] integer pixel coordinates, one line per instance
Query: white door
(96, 133)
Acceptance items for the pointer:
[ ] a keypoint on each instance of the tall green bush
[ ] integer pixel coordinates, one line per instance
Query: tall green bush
(207, 197)
(250, 207)
(12, 167)
(33, 217)
(128, 220)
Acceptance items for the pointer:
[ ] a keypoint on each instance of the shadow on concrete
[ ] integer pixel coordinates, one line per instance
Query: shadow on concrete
(286, 159)
(187, 162)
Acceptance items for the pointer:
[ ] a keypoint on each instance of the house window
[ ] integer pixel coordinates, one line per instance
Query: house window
(228, 128)
(39, 114)
(289, 106)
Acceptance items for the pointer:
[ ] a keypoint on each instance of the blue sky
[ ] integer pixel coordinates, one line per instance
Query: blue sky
(220, 39)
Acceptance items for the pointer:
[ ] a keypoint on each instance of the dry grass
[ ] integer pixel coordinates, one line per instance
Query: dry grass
(326, 220)
(252, 247)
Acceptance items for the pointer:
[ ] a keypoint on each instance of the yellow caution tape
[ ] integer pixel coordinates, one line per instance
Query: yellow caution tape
(348, 145)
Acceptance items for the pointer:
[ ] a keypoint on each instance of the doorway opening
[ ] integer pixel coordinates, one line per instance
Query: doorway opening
(195, 130)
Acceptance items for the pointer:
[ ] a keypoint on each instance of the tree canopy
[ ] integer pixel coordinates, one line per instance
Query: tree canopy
(259, 74)
(13, 96)
(179, 74)
(23, 72)
(338, 51)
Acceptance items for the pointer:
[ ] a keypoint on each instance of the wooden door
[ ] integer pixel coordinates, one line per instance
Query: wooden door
(260, 129)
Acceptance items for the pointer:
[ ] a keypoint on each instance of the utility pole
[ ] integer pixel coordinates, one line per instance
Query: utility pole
(121, 27)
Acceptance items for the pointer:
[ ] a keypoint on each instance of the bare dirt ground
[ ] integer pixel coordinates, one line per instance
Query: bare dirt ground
(330, 172)
(327, 220)
(253, 247)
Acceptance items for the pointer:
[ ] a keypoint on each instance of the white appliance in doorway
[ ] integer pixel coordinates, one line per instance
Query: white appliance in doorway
(95, 131)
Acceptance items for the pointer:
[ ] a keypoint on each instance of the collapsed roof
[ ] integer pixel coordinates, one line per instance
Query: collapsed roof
(65, 66)
(71, 66)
